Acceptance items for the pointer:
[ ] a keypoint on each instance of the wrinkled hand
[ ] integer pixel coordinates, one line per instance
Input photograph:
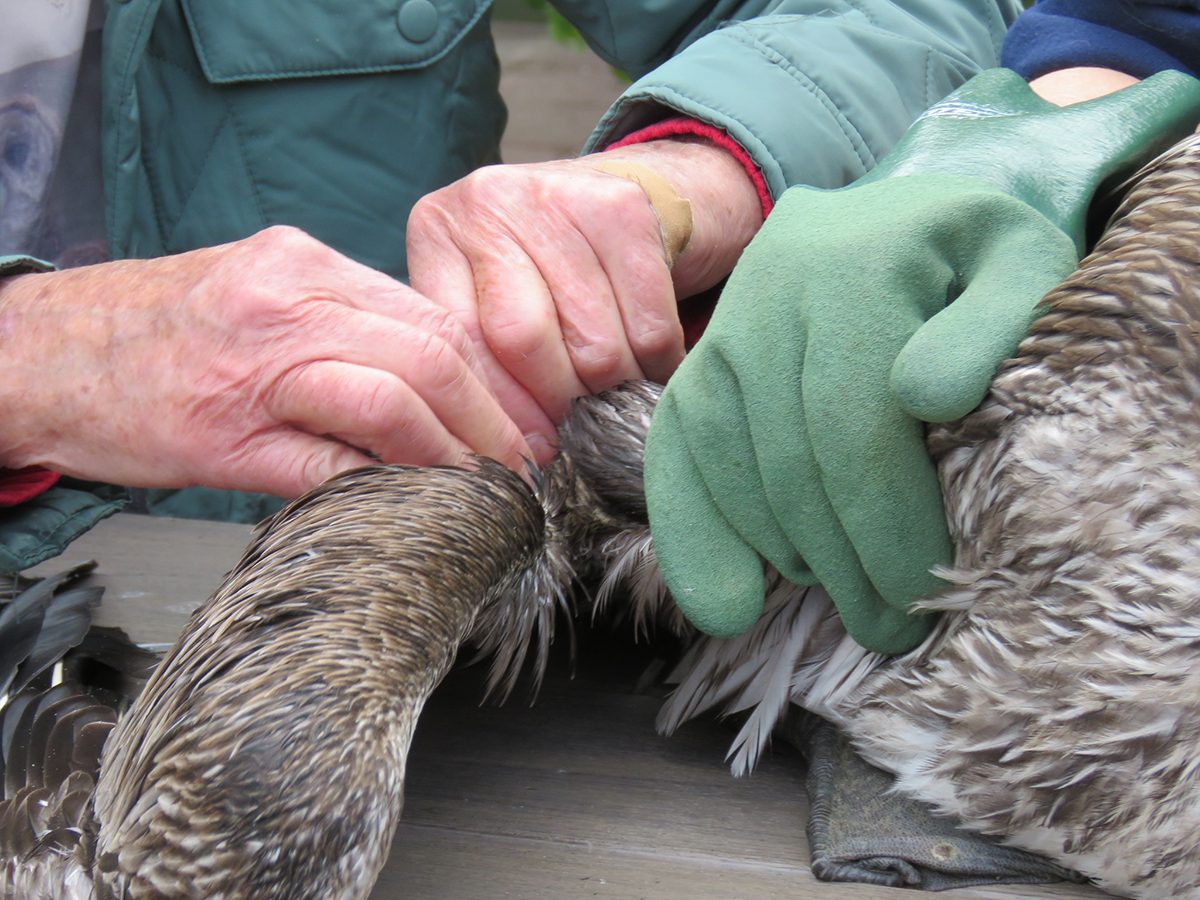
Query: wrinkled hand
(269, 364)
(560, 272)
(788, 433)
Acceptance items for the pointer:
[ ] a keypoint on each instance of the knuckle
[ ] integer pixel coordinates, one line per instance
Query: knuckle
(472, 191)
(374, 407)
(599, 363)
(286, 237)
(437, 323)
(287, 391)
(435, 371)
(426, 215)
(312, 469)
(517, 336)
(272, 257)
(439, 362)
(625, 199)
(443, 323)
(492, 189)
(658, 338)
(483, 183)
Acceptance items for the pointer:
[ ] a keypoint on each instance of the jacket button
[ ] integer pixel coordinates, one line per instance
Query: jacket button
(417, 20)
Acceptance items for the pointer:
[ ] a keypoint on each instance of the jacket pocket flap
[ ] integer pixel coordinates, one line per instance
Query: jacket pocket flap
(238, 41)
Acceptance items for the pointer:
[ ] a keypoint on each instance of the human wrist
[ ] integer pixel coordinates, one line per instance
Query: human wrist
(20, 388)
(726, 208)
(21, 474)
(1079, 84)
(58, 344)
(685, 126)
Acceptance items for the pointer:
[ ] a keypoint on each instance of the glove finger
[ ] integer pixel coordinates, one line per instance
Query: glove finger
(799, 494)
(715, 577)
(714, 421)
(884, 493)
(945, 369)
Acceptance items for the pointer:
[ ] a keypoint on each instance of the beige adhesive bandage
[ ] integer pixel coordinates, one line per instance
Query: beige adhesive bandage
(674, 213)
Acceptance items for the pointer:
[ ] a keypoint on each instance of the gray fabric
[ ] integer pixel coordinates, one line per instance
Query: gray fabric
(859, 831)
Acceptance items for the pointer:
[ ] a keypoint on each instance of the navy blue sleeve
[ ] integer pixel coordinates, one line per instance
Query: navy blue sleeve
(1138, 38)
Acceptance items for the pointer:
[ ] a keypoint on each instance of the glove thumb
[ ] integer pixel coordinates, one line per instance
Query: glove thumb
(944, 370)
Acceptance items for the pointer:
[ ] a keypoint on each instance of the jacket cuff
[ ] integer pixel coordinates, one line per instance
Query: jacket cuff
(19, 485)
(680, 127)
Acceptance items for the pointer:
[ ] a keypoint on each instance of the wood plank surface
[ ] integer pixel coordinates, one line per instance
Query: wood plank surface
(574, 796)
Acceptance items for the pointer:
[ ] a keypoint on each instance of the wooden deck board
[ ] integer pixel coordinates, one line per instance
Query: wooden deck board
(575, 796)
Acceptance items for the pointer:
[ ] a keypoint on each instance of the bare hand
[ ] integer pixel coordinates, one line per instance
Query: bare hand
(560, 274)
(268, 364)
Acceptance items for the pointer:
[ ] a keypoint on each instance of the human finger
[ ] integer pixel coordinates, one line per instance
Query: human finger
(628, 241)
(286, 462)
(442, 272)
(380, 413)
(426, 356)
(702, 414)
(520, 325)
(589, 317)
(545, 304)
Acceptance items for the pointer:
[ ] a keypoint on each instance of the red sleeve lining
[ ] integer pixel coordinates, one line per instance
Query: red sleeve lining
(19, 485)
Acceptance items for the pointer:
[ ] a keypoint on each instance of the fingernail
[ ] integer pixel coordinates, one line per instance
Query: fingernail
(540, 446)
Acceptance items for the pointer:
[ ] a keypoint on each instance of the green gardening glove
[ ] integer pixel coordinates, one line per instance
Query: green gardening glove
(791, 432)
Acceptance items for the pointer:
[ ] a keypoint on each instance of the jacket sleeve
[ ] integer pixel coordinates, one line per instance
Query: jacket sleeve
(1138, 38)
(815, 91)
